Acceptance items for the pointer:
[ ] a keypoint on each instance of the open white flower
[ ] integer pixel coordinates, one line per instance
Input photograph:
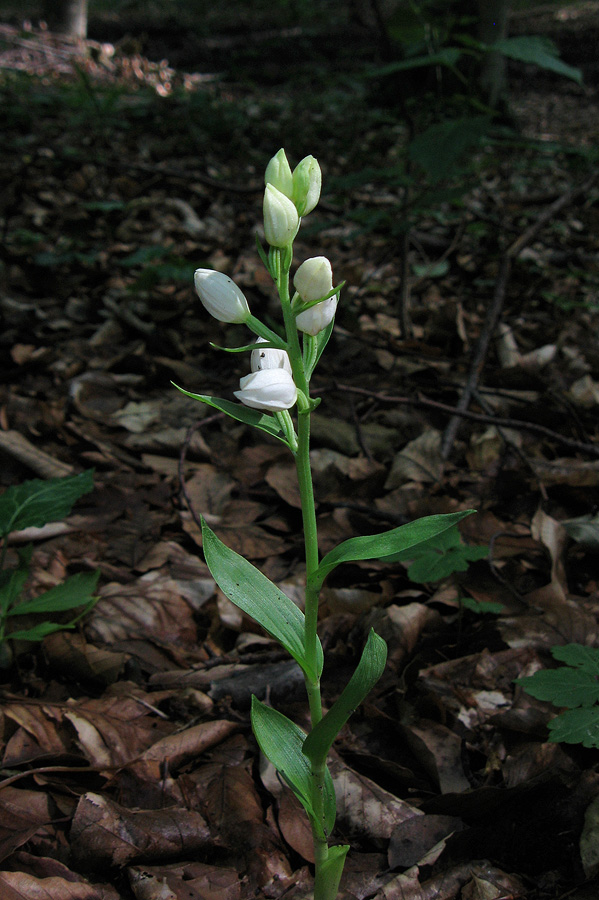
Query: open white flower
(221, 296)
(272, 390)
(269, 358)
(317, 317)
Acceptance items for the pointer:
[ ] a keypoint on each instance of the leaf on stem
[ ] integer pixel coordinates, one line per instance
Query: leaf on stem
(256, 595)
(328, 875)
(387, 544)
(35, 503)
(281, 741)
(75, 591)
(12, 581)
(314, 347)
(370, 668)
(263, 421)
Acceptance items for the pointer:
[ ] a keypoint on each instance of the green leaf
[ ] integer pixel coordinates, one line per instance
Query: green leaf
(263, 421)
(448, 56)
(281, 741)
(369, 670)
(314, 348)
(440, 557)
(563, 686)
(39, 632)
(328, 874)
(74, 592)
(439, 149)
(586, 658)
(576, 726)
(12, 581)
(244, 349)
(482, 607)
(387, 544)
(34, 503)
(252, 592)
(538, 50)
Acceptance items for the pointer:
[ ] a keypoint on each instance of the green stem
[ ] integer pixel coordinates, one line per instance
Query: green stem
(304, 476)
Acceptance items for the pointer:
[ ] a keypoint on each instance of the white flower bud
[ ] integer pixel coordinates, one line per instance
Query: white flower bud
(281, 220)
(278, 173)
(314, 279)
(269, 358)
(307, 181)
(317, 317)
(272, 390)
(221, 296)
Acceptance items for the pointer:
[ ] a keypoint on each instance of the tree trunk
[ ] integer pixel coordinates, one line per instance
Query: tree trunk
(493, 26)
(66, 16)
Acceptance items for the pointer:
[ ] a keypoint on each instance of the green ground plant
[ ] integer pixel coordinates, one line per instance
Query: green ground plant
(574, 686)
(33, 504)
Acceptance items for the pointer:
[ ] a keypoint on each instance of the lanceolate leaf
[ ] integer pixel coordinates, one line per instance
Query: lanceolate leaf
(379, 546)
(316, 347)
(263, 421)
(370, 668)
(34, 503)
(281, 741)
(252, 592)
(75, 591)
(12, 581)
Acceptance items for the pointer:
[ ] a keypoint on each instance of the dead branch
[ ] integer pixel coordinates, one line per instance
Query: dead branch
(495, 309)
(498, 421)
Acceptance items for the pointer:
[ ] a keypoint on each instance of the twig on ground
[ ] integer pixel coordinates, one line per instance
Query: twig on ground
(183, 456)
(495, 309)
(499, 421)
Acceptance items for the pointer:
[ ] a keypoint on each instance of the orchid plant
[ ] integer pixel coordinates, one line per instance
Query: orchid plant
(281, 368)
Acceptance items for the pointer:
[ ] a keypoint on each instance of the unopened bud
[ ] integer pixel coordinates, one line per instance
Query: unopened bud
(314, 279)
(281, 220)
(221, 296)
(278, 173)
(307, 181)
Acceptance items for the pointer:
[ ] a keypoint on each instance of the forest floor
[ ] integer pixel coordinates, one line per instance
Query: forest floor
(129, 769)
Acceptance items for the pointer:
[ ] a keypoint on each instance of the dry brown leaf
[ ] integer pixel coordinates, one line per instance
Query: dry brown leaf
(402, 626)
(419, 461)
(190, 743)
(439, 750)
(152, 608)
(106, 834)
(20, 886)
(192, 881)
(412, 840)
(37, 735)
(23, 813)
(365, 809)
(70, 653)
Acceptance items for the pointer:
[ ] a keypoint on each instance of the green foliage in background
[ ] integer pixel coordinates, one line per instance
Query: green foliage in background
(439, 557)
(33, 504)
(575, 686)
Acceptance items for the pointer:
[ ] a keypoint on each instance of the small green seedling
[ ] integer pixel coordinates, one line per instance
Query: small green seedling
(439, 557)
(32, 505)
(574, 686)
